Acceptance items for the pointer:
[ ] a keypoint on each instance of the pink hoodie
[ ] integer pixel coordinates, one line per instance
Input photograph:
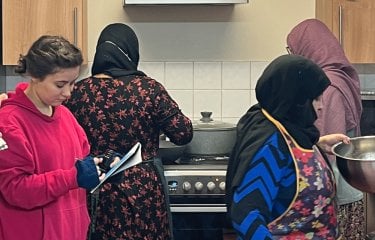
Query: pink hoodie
(39, 193)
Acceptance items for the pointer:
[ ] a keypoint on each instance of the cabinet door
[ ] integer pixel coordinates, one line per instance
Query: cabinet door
(353, 24)
(26, 20)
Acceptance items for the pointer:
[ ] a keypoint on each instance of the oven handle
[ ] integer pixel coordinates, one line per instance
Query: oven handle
(368, 97)
(198, 208)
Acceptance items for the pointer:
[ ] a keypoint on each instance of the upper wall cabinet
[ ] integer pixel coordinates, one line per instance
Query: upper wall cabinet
(352, 23)
(24, 21)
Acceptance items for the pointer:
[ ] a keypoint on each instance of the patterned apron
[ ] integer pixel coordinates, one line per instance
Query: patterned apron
(312, 213)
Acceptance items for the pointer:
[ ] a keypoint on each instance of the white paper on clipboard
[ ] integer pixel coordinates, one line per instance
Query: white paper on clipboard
(130, 159)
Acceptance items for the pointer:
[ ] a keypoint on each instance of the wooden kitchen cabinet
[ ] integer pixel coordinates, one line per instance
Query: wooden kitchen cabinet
(23, 21)
(351, 21)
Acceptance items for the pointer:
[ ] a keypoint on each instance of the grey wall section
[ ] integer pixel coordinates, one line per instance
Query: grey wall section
(2, 79)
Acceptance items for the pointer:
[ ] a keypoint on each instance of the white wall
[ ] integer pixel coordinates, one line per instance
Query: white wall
(208, 57)
(252, 32)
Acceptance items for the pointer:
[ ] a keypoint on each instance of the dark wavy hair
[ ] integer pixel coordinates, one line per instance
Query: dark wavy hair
(47, 55)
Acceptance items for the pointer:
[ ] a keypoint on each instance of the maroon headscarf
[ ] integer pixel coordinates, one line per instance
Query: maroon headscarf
(313, 40)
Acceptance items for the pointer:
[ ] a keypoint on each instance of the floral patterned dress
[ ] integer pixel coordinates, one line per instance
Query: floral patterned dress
(117, 113)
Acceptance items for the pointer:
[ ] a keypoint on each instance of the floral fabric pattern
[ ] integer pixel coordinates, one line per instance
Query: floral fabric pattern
(355, 229)
(117, 113)
(313, 213)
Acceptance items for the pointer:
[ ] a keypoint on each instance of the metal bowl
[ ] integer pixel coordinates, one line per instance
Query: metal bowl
(356, 162)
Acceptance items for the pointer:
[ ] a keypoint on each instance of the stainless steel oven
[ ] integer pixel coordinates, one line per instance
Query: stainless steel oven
(368, 128)
(196, 188)
(368, 114)
(197, 199)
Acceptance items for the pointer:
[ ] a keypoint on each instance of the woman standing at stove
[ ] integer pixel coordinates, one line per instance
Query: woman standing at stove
(119, 106)
(279, 185)
(339, 110)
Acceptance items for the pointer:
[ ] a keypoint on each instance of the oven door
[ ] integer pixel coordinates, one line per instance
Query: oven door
(198, 204)
(368, 128)
(368, 116)
(197, 201)
(199, 208)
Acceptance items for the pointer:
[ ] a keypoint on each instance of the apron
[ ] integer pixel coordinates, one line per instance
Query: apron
(312, 213)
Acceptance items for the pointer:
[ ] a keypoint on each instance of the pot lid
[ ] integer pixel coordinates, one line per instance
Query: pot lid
(206, 123)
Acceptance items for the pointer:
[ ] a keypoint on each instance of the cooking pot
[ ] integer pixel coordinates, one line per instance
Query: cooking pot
(169, 152)
(211, 137)
(356, 162)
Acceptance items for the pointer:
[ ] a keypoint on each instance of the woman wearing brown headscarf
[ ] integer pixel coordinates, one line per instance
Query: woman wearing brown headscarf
(339, 110)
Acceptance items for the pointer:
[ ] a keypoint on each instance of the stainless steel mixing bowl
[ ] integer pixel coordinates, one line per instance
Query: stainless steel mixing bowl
(356, 162)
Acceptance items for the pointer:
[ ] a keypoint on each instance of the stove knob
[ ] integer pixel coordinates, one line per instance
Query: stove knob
(186, 186)
(198, 186)
(222, 186)
(211, 186)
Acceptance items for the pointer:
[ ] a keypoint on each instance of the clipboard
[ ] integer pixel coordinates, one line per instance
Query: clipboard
(130, 159)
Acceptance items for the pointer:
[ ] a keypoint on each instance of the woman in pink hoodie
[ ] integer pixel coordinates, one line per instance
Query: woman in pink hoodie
(44, 168)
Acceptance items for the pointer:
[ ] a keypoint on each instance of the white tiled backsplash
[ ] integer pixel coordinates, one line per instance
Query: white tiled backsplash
(224, 88)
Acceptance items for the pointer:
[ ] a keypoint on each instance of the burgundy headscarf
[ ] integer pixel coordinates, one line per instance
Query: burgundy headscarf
(313, 40)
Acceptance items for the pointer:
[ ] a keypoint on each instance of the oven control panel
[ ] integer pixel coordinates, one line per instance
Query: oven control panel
(198, 180)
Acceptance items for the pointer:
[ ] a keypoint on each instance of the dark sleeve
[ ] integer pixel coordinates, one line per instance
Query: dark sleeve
(254, 200)
(175, 125)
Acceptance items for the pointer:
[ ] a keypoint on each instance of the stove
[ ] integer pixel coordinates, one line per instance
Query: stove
(196, 190)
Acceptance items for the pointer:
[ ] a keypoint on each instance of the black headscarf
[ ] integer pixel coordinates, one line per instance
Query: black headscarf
(117, 52)
(286, 90)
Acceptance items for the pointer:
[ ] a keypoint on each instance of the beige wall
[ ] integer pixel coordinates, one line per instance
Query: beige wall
(249, 32)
